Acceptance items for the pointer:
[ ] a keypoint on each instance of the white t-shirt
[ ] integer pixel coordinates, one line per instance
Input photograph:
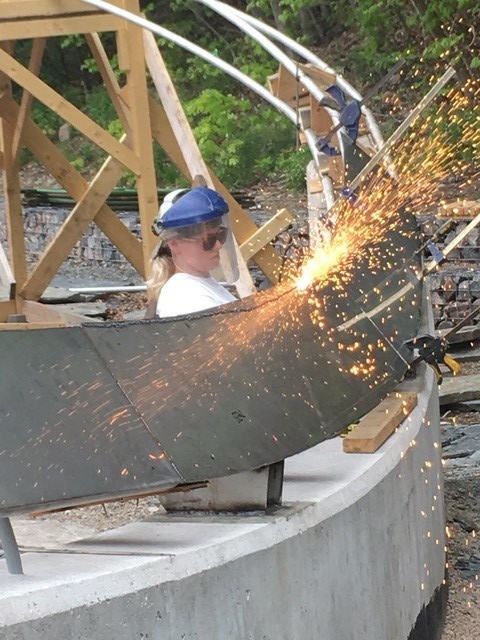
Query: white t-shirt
(184, 293)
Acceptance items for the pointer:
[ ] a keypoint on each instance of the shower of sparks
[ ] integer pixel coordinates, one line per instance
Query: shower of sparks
(425, 156)
(355, 243)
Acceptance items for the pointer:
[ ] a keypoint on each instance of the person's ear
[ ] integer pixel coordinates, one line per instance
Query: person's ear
(173, 244)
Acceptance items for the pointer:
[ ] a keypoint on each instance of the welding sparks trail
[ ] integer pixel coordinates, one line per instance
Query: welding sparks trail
(365, 237)
(427, 155)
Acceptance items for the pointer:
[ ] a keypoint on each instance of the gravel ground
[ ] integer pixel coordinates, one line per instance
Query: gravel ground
(462, 502)
(462, 486)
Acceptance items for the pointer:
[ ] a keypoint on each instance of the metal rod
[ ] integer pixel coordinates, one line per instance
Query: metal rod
(110, 289)
(289, 64)
(198, 51)
(314, 59)
(10, 546)
(220, 64)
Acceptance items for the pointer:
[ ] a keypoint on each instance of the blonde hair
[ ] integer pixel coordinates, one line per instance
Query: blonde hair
(161, 269)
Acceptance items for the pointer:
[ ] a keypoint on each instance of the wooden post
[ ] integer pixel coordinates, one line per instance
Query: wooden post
(13, 201)
(132, 58)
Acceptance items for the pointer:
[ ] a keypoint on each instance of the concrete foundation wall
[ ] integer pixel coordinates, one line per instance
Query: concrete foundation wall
(356, 552)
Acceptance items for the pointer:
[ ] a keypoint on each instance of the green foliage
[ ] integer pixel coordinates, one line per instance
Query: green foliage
(241, 137)
(100, 108)
(292, 167)
(239, 140)
(48, 121)
(435, 31)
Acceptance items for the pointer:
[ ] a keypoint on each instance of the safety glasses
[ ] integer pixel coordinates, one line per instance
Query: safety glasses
(210, 240)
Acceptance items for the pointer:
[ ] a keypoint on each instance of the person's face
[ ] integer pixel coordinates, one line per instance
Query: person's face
(199, 255)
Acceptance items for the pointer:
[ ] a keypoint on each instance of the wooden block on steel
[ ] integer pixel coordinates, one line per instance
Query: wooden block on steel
(49, 314)
(278, 223)
(450, 209)
(459, 209)
(27, 326)
(374, 428)
(471, 208)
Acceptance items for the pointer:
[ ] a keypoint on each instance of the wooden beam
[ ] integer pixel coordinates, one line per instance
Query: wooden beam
(168, 97)
(374, 428)
(37, 312)
(26, 8)
(72, 181)
(64, 109)
(72, 229)
(6, 275)
(26, 326)
(13, 198)
(278, 223)
(131, 40)
(290, 90)
(57, 26)
(36, 56)
(322, 78)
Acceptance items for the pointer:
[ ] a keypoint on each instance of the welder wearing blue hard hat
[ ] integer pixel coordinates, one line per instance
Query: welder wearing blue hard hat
(192, 226)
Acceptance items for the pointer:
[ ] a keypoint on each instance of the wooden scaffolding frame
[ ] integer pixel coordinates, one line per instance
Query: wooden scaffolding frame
(144, 119)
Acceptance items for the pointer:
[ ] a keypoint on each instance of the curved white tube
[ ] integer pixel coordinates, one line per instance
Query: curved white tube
(310, 57)
(217, 62)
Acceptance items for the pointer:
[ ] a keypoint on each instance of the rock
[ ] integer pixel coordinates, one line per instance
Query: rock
(460, 389)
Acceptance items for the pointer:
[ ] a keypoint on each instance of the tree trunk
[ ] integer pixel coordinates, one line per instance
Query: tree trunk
(276, 11)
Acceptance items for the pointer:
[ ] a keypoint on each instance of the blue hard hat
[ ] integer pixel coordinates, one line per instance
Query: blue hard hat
(200, 204)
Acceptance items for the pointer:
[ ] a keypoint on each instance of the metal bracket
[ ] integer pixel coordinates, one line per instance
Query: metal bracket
(275, 484)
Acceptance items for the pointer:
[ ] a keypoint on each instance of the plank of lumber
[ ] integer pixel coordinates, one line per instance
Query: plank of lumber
(13, 198)
(37, 312)
(322, 77)
(9, 10)
(26, 326)
(7, 307)
(280, 221)
(109, 80)
(31, 83)
(131, 38)
(85, 502)
(46, 27)
(6, 275)
(36, 56)
(374, 428)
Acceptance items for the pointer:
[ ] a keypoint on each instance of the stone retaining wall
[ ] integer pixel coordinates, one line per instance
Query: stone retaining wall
(42, 224)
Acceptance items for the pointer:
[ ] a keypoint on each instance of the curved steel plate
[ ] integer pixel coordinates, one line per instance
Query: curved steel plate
(114, 408)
